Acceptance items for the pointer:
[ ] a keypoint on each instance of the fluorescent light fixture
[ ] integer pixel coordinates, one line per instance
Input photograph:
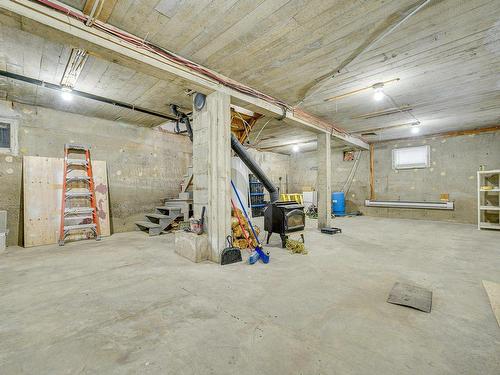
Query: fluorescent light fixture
(296, 148)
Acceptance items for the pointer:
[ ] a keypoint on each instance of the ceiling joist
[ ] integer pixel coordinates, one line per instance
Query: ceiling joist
(99, 9)
(75, 26)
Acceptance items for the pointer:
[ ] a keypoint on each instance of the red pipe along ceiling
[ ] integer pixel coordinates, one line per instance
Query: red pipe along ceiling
(173, 57)
(163, 53)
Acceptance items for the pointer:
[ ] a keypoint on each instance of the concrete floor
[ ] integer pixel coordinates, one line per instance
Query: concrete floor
(130, 305)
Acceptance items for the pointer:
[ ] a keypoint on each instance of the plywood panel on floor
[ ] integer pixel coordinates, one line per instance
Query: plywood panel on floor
(493, 291)
(42, 185)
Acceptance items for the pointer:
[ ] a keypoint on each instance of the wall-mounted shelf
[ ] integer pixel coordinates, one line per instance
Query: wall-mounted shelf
(489, 208)
(489, 225)
(488, 199)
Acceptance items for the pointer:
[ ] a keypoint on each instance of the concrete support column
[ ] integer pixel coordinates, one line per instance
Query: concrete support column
(324, 181)
(212, 169)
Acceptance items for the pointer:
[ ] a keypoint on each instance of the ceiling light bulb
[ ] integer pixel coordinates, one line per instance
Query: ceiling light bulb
(415, 129)
(379, 91)
(66, 95)
(379, 95)
(296, 148)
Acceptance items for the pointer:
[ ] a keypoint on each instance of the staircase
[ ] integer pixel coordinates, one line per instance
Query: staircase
(172, 210)
(160, 221)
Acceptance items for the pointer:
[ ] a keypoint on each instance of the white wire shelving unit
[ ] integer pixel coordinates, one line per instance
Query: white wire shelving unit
(488, 199)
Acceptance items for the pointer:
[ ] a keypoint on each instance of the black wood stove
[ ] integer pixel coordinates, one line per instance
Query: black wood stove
(279, 217)
(284, 218)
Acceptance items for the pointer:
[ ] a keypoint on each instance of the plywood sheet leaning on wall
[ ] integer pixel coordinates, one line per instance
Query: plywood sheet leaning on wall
(42, 185)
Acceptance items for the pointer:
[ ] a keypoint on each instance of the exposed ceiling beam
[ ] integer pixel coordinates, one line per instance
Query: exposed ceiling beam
(454, 133)
(99, 9)
(75, 26)
(287, 144)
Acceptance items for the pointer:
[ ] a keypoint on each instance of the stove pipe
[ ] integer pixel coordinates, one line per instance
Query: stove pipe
(254, 168)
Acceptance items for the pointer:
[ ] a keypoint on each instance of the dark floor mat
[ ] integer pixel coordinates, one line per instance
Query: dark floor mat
(412, 296)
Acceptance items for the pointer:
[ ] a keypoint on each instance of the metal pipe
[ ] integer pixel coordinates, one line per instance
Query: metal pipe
(240, 151)
(82, 94)
(254, 168)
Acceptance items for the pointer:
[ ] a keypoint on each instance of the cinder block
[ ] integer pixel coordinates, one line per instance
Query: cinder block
(192, 246)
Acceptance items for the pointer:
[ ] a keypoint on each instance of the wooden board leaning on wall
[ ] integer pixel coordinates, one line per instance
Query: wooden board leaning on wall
(42, 186)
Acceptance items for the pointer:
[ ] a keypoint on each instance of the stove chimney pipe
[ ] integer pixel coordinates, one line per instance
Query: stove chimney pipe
(254, 168)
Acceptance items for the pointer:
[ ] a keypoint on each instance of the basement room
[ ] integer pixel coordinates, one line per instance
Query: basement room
(249, 187)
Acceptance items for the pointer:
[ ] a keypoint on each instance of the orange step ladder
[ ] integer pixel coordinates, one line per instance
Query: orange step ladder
(78, 218)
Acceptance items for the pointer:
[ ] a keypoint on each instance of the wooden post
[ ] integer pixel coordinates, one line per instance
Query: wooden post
(372, 179)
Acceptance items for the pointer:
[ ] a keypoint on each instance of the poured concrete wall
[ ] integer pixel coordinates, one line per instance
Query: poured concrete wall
(144, 166)
(454, 162)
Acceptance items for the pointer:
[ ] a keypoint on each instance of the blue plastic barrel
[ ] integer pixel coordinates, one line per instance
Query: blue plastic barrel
(338, 203)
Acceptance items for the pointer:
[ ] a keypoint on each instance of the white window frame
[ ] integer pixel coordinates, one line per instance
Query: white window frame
(14, 145)
(425, 164)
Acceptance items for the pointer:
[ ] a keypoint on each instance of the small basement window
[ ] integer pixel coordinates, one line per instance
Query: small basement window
(4, 135)
(411, 157)
(8, 136)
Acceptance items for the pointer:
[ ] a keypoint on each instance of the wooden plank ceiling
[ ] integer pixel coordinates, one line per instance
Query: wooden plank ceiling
(446, 56)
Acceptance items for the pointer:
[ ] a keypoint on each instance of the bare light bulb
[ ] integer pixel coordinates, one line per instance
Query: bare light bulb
(379, 95)
(415, 129)
(379, 91)
(296, 148)
(67, 96)
(66, 93)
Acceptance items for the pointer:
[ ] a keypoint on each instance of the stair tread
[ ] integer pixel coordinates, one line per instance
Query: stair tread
(147, 224)
(158, 216)
(169, 208)
(80, 226)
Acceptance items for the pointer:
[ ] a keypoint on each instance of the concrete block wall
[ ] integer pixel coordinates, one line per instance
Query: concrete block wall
(144, 165)
(454, 162)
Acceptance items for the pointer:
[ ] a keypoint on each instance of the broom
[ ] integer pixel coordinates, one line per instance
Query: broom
(264, 255)
(254, 256)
